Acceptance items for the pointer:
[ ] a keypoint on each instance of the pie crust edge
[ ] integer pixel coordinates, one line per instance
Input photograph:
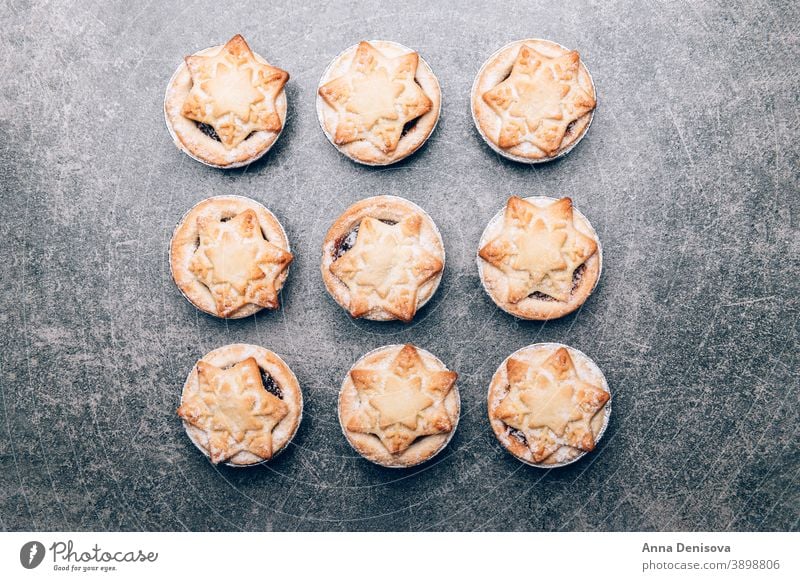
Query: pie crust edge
(268, 361)
(498, 65)
(368, 445)
(531, 308)
(182, 248)
(394, 208)
(197, 145)
(586, 368)
(366, 153)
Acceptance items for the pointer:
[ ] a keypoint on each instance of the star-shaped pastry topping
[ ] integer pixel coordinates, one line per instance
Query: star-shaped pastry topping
(539, 249)
(234, 92)
(386, 267)
(375, 98)
(551, 405)
(539, 99)
(402, 403)
(233, 408)
(237, 264)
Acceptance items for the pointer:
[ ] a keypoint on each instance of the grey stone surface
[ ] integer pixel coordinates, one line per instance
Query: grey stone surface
(689, 174)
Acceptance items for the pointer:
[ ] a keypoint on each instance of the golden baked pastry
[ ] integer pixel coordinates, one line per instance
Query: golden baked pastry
(230, 256)
(533, 100)
(241, 404)
(382, 259)
(543, 410)
(399, 406)
(541, 259)
(378, 102)
(226, 106)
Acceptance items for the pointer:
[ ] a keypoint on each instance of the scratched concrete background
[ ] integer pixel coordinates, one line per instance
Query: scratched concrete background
(689, 174)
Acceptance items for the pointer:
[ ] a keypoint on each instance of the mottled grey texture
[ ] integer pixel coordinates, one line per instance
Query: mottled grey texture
(689, 174)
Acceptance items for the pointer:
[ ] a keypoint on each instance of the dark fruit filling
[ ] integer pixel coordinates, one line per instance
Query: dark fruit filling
(576, 279)
(540, 296)
(570, 127)
(577, 275)
(345, 243)
(409, 126)
(270, 385)
(212, 133)
(208, 130)
(516, 434)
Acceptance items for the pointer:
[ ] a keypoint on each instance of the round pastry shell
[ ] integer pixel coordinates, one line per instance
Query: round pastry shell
(267, 361)
(353, 216)
(425, 124)
(492, 229)
(585, 367)
(195, 291)
(424, 448)
(474, 97)
(251, 149)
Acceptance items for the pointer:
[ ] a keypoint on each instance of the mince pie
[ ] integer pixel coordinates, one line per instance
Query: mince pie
(539, 258)
(241, 405)
(225, 106)
(378, 102)
(230, 256)
(533, 100)
(549, 404)
(383, 259)
(399, 406)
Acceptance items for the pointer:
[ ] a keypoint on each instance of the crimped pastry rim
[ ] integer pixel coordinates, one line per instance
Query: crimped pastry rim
(566, 310)
(320, 103)
(422, 460)
(499, 150)
(572, 352)
(332, 282)
(283, 114)
(248, 309)
(188, 428)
